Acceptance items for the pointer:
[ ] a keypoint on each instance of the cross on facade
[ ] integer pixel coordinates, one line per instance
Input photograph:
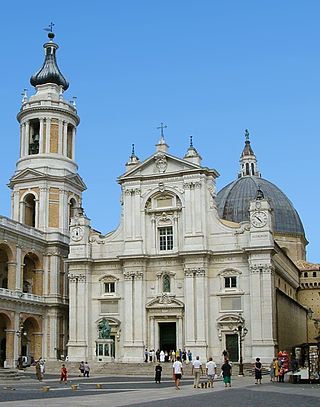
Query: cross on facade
(162, 126)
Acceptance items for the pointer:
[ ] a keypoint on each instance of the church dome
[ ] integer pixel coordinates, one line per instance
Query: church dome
(233, 203)
(233, 200)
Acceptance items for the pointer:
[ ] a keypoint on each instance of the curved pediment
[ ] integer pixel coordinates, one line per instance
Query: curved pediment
(230, 320)
(165, 300)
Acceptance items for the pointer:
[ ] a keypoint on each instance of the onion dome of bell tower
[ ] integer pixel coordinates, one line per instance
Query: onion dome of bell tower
(49, 72)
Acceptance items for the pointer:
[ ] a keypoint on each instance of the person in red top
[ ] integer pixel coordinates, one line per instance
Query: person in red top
(64, 374)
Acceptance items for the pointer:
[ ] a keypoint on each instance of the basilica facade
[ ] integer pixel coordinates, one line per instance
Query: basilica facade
(187, 267)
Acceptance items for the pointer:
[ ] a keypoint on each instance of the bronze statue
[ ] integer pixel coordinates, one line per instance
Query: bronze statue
(104, 329)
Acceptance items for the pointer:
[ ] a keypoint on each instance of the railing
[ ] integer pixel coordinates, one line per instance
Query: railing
(4, 292)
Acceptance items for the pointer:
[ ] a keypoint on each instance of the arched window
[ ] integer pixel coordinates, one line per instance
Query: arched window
(166, 283)
(247, 169)
(69, 141)
(252, 169)
(34, 136)
(72, 208)
(30, 210)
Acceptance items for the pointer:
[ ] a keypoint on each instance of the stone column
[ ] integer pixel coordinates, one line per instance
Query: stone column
(180, 341)
(41, 135)
(12, 266)
(152, 333)
(10, 335)
(73, 144)
(54, 274)
(38, 289)
(60, 140)
(37, 337)
(190, 329)
(128, 308)
(78, 321)
(43, 208)
(138, 309)
(200, 295)
(26, 139)
(37, 214)
(65, 139)
(19, 269)
(53, 335)
(48, 130)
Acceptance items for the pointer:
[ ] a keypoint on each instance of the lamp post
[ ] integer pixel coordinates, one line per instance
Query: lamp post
(20, 334)
(242, 332)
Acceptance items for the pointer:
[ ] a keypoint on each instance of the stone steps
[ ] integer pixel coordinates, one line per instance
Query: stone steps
(11, 374)
(137, 369)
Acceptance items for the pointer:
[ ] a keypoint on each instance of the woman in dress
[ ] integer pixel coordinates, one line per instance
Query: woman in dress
(258, 371)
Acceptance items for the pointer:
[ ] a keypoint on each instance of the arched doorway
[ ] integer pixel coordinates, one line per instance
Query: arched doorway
(30, 340)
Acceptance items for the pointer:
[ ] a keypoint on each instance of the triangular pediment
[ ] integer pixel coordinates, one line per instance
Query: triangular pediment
(165, 300)
(30, 174)
(26, 175)
(160, 163)
(77, 180)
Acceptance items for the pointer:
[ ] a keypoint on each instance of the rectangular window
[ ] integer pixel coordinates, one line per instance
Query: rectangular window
(166, 238)
(230, 282)
(109, 288)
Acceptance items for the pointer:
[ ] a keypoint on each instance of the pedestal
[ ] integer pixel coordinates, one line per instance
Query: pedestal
(104, 350)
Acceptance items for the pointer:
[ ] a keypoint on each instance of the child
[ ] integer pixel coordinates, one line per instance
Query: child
(281, 374)
(64, 374)
(158, 373)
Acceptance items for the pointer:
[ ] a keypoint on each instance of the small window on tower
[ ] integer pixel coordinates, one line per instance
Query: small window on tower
(34, 137)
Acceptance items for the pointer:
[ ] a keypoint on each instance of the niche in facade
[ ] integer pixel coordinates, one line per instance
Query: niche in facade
(69, 141)
(30, 210)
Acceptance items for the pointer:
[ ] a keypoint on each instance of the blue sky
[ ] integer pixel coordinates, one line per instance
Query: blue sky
(206, 68)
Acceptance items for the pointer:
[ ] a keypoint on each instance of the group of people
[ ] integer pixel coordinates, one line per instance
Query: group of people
(197, 370)
(162, 356)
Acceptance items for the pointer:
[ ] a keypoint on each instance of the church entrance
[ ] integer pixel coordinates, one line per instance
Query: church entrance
(167, 336)
(232, 347)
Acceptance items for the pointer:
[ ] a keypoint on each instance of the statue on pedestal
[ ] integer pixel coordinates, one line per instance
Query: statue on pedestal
(104, 329)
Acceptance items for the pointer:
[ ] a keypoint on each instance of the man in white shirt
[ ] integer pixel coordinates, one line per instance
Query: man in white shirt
(177, 372)
(196, 369)
(211, 368)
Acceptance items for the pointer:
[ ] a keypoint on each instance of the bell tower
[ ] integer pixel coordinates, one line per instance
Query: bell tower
(46, 187)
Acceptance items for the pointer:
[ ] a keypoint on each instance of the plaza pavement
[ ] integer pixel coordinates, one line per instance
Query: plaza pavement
(142, 391)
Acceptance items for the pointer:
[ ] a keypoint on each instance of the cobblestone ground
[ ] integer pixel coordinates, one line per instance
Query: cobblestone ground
(142, 391)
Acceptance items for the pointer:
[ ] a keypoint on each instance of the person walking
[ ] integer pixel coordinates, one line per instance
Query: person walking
(257, 371)
(196, 370)
(64, 374)
(211, 368)
(162, 356)
(177, 371)
(226, 369)
(86, 369)
(81, 368)
(158, 371)
(38, 371)
(272, 370)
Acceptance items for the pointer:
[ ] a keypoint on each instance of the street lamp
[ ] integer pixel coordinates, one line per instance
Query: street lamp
(20, 334)
(242, 332)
